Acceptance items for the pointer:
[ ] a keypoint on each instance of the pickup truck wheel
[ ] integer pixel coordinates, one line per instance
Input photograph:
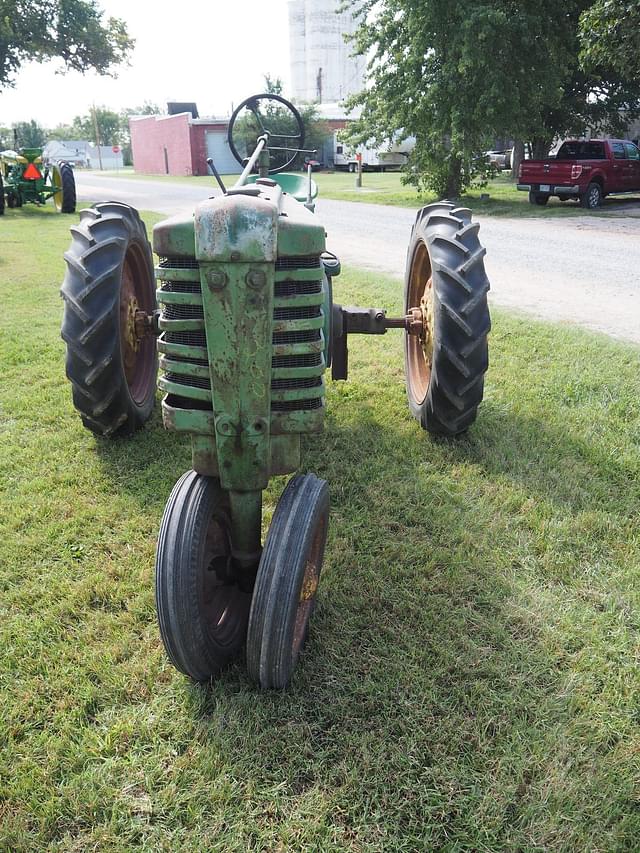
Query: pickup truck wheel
(592, 199)
(538, 198)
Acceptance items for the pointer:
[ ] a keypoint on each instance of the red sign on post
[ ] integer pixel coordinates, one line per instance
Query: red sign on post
(116, 149)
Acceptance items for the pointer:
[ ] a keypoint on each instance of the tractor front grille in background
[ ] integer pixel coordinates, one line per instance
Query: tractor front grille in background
(297, 363)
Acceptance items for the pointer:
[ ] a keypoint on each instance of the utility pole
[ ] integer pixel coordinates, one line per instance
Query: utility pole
(97, 133)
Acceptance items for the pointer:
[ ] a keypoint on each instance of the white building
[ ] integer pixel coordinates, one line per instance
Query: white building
(322, 68)
(80, 152)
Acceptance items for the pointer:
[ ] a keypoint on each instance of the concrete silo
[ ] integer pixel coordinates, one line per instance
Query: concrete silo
(322, 69)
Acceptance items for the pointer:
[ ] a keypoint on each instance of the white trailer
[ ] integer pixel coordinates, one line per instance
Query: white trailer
(391, 155)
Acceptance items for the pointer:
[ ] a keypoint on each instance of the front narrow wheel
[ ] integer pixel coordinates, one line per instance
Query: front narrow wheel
(286, 585)
(202, 609)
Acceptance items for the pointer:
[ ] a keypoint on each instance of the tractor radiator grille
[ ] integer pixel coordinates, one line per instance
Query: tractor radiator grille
(301, 263)
(297, 364)
(179, 263)
(312, 360)
(304, 313)
(303, 337)
(181, 287)
(297, 288)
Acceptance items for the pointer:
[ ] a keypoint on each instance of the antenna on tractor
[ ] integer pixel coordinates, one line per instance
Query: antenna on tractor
(216, 175)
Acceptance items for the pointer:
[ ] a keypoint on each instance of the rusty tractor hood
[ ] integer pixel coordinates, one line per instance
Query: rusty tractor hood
(298, 231)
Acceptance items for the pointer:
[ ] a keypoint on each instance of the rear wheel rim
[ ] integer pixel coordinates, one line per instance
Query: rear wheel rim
(419, 348)
(56, 183)
(138, 351)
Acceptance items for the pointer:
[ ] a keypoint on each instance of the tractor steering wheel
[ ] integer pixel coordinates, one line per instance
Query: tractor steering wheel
(274, 121)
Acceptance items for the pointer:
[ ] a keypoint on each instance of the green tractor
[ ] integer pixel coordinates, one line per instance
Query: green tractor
(246, 330)
(23, 180)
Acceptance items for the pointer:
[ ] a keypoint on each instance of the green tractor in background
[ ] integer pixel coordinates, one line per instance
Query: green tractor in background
(246, 331)
(24, 181)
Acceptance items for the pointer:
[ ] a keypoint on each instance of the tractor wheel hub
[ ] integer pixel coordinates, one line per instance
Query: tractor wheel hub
(131, 333)
(419, 321)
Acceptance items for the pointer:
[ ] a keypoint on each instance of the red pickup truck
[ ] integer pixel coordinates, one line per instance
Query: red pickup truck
(584, 169)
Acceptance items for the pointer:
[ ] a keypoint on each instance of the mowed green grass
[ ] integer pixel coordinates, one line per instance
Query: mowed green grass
(471, 680)
(504, 199)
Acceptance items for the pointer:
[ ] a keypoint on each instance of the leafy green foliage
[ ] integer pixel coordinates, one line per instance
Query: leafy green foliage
(71, 30)
(108, 124)
(457, 76)
(610, 36)
(28, 134)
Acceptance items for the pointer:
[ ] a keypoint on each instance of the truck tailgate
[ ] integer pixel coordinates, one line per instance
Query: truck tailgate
(546, 172)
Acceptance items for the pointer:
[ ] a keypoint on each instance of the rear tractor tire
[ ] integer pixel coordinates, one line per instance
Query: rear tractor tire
(63, 179)
(1, 196)
(446, 291)
(109, 286)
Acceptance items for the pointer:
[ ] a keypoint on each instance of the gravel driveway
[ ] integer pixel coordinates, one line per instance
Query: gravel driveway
(584, 270)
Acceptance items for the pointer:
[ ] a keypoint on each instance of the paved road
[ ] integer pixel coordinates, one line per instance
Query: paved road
(584, 269)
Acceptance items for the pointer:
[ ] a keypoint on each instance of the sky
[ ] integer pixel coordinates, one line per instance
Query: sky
(213, 52)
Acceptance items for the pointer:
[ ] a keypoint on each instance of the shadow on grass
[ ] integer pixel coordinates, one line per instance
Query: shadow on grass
(427, 700)
(419, 665)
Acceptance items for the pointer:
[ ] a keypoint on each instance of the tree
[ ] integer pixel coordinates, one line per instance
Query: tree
(108, 126)
(63, 132)
(71, 30)
(29, 134)
(457, 76)
(610, 36)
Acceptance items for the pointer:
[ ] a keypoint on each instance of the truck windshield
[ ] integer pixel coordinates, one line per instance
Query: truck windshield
(584, 150)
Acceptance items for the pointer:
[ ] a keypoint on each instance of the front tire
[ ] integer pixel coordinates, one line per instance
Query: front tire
(592, 198)
(202, 611)
(445, 282)
(284, 595)
(109, 276)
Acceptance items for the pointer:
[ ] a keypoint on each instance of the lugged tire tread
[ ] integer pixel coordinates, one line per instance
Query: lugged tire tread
(68, 189)
(460, 357)
(91, 321)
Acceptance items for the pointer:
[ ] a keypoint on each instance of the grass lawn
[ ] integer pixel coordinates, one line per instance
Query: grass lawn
(386, 188)
(471, 681)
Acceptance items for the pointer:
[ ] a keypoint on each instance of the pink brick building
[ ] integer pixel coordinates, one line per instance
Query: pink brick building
(180, 145)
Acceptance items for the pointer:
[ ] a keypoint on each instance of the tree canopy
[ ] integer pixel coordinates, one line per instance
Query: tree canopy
(458, 76)
(74, 31)
(610, 36)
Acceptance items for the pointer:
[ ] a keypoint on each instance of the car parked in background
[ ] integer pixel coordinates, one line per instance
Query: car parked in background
(583, 169)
